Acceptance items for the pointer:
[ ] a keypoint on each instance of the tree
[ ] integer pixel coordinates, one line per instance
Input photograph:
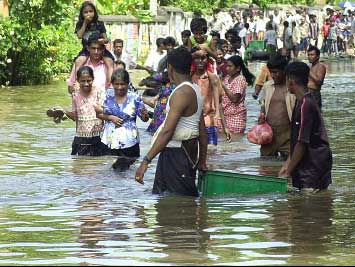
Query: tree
(137, 8)
(37, 41)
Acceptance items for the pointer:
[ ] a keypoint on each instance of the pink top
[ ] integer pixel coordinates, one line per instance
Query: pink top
(83, 108)
(100, 73)
(237, 86)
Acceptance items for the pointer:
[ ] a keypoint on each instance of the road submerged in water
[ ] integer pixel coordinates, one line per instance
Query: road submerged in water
(56, 209)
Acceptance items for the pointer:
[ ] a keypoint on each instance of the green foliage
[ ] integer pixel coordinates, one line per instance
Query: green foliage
(137, 8)
(37, 41)
(206, 6)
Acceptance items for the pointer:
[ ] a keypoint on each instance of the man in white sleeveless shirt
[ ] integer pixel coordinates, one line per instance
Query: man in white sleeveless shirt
(181, 140)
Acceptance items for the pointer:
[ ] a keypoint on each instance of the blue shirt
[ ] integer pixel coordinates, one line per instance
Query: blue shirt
(126, 135)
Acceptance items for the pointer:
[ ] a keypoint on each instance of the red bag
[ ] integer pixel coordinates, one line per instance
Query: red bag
(260, 134)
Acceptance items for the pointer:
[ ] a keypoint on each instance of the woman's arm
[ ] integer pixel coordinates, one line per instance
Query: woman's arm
(100, 114)
(235, 98)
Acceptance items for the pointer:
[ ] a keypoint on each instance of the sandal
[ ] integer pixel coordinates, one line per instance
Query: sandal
(57, 114)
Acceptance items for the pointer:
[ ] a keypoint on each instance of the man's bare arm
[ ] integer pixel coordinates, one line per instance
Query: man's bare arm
(318, 77)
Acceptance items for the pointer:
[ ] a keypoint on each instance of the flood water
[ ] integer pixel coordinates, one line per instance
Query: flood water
(56, 209)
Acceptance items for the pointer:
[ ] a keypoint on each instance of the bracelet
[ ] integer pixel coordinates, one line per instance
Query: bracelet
(147, 159)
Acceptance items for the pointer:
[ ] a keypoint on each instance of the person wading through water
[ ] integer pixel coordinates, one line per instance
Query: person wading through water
(181, 140)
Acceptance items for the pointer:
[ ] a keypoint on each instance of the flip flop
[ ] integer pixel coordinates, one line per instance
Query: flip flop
(55, 112)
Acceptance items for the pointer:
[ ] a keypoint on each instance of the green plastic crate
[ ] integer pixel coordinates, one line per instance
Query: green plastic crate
(256, 45)
(226, 182)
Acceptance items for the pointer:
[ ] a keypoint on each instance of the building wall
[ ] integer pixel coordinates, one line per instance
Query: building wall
(139, 38)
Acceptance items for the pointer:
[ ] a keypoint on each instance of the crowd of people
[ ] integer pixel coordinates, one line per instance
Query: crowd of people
(331, 30)
(202, 88)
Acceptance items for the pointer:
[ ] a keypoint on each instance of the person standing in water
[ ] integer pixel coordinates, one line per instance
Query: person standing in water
(316, 74)
(181, 136)
(119, 111)
(310, 161)
(87, 140)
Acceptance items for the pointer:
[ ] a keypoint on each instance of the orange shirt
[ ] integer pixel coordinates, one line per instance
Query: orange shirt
(264, 76)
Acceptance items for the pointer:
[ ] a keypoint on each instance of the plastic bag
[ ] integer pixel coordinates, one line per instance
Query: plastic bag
(260, 134)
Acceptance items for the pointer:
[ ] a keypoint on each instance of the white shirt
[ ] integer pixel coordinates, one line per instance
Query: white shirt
(260, 25)
(153, 59)
(243, 33)
(241, 52)
(127, 59)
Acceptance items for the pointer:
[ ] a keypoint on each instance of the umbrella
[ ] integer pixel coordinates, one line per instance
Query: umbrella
(346, 4)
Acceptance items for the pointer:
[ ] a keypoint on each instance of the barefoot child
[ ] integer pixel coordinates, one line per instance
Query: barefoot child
(87, 25)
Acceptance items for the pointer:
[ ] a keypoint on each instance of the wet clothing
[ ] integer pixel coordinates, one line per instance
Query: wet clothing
(87, 140)
(281, 128)
(317, 96)
(314, 170)
(125, 157)
(88, 146)
(212, 135)
(280, 145)
(269, 89)
(187, 127)
(175, 171)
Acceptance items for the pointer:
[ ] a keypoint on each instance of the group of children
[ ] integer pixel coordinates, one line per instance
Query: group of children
(106, 117)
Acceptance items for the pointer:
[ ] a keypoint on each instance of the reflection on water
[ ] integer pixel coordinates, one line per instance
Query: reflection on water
(57, 209)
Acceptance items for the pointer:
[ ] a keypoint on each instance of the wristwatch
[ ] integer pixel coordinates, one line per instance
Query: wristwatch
(147, 159)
